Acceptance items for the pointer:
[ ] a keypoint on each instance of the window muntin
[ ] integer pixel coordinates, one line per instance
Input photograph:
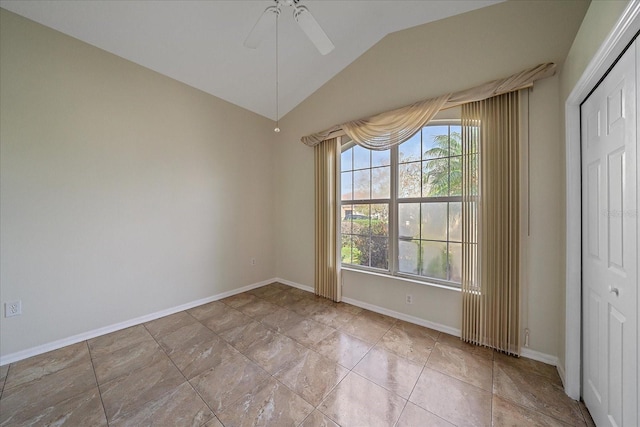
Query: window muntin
(415, 223)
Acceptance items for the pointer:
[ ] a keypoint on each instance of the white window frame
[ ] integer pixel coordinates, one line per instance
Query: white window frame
(393, 238)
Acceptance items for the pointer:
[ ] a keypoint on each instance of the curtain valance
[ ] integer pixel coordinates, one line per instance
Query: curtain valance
(391, 128)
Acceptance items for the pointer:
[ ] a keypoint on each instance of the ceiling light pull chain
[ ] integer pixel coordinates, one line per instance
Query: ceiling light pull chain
(277, 129)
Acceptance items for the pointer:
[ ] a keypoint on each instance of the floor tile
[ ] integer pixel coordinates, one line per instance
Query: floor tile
(332, 316)
(455, 401)
(242, 337)
(411, 341)
(185, 336)
(178, 407)
(115, 341)
(109, 366)
(306, 306)
(238, 300)
(213, 423)
(377, 318)
(390, 371)
(129, 392)
(359, 402)
(365, 329)
(343, 348)
(534, 392)
(198, 357)
(318, 419)
(258, 309)
(529, 365)
(26, 400)
(309, 332)
(34, 368)
(228, 381)
(312, 376)
(268, 404)
(214, 309)
(165, 325)
(231, 319)
(475, 370)
(505, 413)
(456, 342)
(275, 352)
(414, 416)
(281, 320)
(586, 415)
(284, 298)
(267, 290)
(84, 409)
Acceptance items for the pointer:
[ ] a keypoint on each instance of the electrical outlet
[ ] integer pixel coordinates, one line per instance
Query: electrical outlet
(253, 262)
(409, 299)
(13, 308)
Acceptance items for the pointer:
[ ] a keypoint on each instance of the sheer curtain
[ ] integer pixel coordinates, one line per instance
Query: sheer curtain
(490, 279)
(327, 263)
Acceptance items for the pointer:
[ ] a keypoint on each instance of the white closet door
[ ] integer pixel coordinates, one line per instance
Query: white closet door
(610, 247)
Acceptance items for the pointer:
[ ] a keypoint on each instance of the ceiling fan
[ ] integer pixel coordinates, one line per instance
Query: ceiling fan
(303, 17)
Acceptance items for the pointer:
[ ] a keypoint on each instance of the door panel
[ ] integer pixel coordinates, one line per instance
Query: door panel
(610, 251)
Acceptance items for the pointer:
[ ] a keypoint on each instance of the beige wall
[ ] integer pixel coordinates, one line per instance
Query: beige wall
(123, 192)
(418, 63)
(597, 24)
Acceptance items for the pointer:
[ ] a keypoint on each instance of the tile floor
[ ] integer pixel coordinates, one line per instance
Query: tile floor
(279, 356)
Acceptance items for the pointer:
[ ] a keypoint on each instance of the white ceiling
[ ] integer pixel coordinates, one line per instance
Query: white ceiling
(200, 43)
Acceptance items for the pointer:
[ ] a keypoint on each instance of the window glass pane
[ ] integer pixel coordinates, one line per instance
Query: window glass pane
(408, 256)
(361, 218)
(380, 158)
(380, 220)
(435, 142)
(434, 221)
(409, 151)
(362, 184)
(347, 253)
(455, 176)
(436, 178)
(362, 244)
(380, 182)
(409, 180)
(434, 260)
(347, 214)
(346, 184)
(409, 221)
(455, 262)
(455, 222)
(455, 141)
(380, 252)
(346, 160)
(361, 157)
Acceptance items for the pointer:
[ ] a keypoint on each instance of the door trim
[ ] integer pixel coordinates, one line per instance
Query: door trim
(622, 33)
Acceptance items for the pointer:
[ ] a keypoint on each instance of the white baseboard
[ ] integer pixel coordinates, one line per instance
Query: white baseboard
(294, 284)
(54, 345)
(539, 356)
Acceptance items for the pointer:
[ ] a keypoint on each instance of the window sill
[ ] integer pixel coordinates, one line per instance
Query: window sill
(401, 278)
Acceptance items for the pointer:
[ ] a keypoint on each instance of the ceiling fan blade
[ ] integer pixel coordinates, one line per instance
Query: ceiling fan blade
(260, 30)
(312, 29)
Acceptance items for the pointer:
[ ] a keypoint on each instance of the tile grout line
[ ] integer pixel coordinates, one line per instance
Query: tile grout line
(93, 366)
(182, 373)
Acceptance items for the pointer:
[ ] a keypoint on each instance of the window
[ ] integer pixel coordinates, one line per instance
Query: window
(402, 208)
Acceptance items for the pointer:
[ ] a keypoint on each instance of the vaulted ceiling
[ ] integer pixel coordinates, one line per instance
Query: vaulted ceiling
(200, 43)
